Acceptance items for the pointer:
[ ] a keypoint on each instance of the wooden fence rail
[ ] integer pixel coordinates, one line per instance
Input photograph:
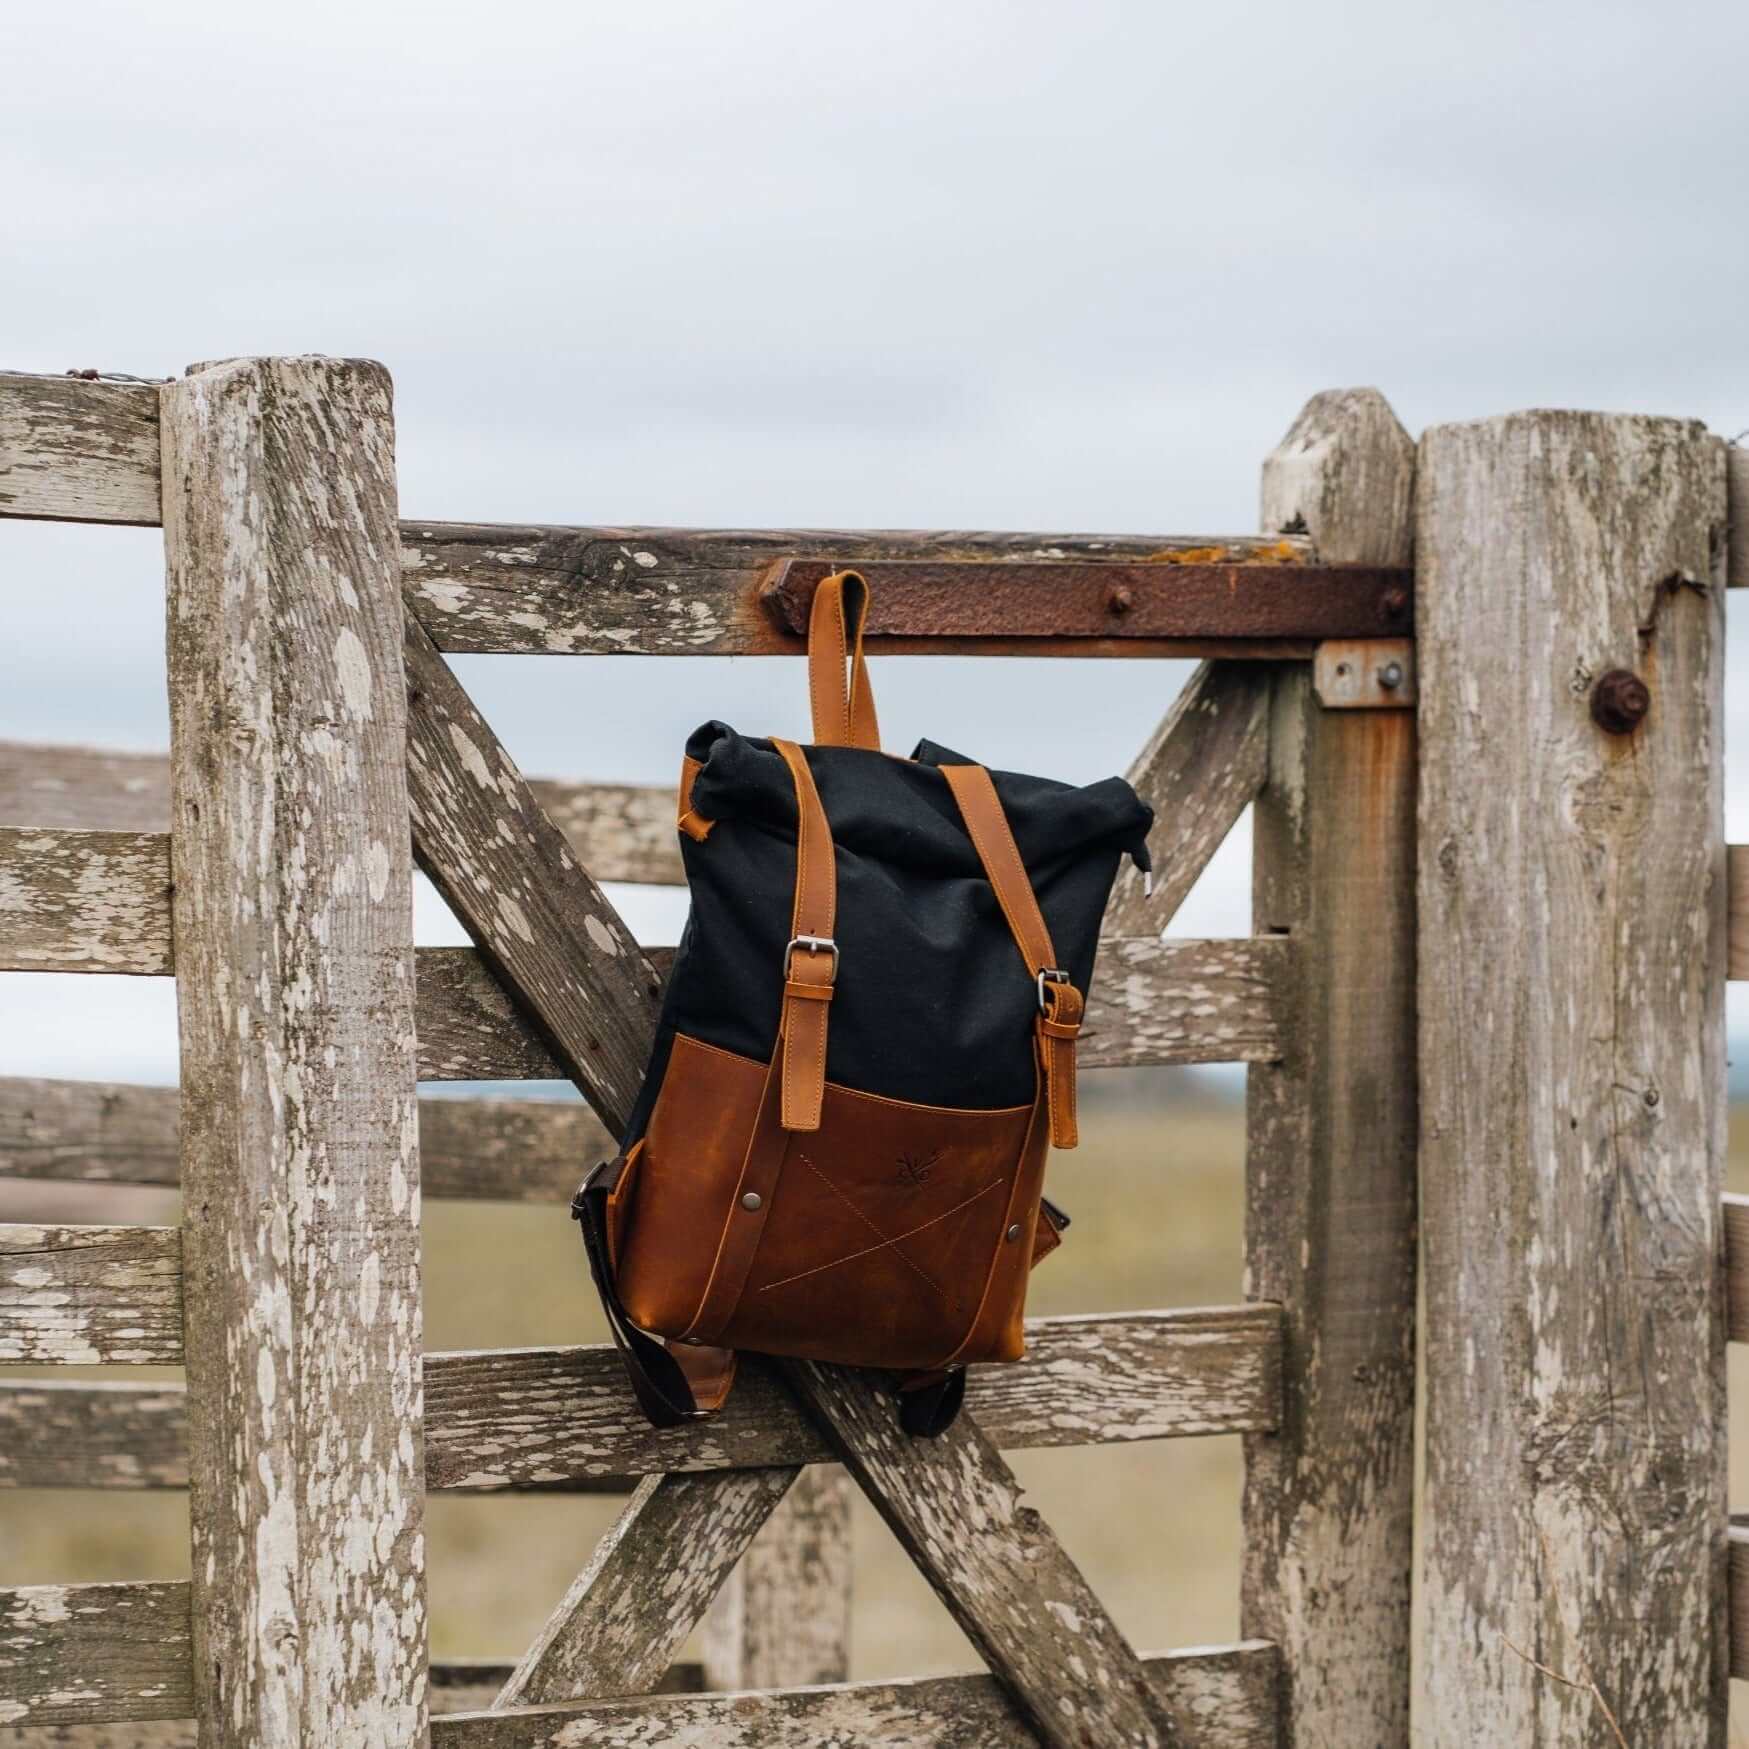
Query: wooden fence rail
(74, 1656)
(548, 1418)
(100, 902)
(621, 831)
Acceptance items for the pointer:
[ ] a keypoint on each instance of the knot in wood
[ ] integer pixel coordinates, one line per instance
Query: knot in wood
(1620, 701)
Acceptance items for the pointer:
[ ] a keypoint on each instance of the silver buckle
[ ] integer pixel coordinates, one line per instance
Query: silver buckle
(1048, 976)
(814, 944)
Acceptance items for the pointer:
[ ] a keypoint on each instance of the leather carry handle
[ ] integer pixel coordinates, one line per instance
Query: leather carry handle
(842, 701)
(811, 959)
(1060, 1004)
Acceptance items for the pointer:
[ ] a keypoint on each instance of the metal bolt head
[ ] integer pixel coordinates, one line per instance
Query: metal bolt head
(752, 1201)
(1121, 598)
(1620, 701)
(1393, 605)
(1013, 1232)
(1391, 676)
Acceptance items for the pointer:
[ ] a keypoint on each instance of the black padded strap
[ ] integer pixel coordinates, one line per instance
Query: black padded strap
(929, 1409)
(656, 1379)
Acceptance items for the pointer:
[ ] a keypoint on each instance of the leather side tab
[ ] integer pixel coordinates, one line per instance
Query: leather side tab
(812, 967)
(1060, 1003)
(1059, 1025)
(709, 1371)
(694, 825)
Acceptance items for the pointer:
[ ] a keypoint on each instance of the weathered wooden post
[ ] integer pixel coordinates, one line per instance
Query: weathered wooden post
(294, 957)
(1330, 1168)
(1573, 1096)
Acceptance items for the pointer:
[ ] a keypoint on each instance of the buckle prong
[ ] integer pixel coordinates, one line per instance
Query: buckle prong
(813, 944)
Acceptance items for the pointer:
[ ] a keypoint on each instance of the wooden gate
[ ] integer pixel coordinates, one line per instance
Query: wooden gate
(321, 747)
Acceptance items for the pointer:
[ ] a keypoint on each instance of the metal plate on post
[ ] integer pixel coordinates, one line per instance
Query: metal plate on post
(1365, 674)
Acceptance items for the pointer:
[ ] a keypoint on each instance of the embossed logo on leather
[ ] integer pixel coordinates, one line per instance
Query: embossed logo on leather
(915, 1170)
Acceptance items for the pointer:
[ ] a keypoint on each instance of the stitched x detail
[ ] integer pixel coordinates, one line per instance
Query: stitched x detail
(885, 1244)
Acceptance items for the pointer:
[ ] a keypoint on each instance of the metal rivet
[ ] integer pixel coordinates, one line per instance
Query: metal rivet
(693, 1341)
(1391, 676)
(1013, 1232)
(1620, 701)
(751, 1200)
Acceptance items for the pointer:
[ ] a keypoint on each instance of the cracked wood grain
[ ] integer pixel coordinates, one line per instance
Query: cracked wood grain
(110, 1667)
(782, 1618)
(127, 1648)
(60, 1434)
(540, 1417)
(1331, 1135)
(1572, 893)
(300, 1160)
(506, 1150)
(90, 1296)
(563, 1418)
(651, 1578)
(1199, 772)
(672, 591)
(76, 1654)
(89, 1131)
(954, 1505)
(78, 451)
(620, 831)
(1226, 1695)
(84, 901)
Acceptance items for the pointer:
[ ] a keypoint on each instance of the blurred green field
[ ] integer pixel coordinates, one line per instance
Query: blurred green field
(1156, 1197)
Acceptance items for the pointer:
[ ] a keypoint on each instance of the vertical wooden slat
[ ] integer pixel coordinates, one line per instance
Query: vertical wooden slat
(1330, 1170)
(1572, 903)
(300, 1169)
(782, 1618)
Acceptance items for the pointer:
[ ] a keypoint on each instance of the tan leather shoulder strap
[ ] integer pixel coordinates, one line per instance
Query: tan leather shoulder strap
(1060, 1003)
(811, 959)
(981, 809)
(842, 704)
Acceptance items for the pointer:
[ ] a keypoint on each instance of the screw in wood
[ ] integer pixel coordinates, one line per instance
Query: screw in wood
(1620, 701)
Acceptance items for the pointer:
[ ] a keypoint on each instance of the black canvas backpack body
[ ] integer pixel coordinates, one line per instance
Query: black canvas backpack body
(866, 1050)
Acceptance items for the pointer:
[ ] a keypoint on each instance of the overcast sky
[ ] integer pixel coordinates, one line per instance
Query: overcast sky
(1024, 266)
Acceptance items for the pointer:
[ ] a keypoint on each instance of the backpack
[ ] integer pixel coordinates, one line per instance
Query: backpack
(866, 1047)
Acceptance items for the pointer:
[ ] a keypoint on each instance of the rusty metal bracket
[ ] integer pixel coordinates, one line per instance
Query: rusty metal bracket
(1017, 600)
(1364, 674)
